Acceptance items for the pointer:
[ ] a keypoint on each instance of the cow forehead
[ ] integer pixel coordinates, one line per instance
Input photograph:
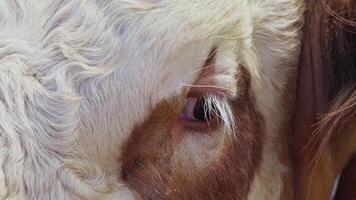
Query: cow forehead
(146, 38)
(170, 25)
(149, 49)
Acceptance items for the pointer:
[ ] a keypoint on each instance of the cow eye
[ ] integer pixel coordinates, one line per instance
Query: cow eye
(197, 109)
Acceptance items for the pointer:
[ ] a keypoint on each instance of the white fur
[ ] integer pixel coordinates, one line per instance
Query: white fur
(278, 57)
(77, 76)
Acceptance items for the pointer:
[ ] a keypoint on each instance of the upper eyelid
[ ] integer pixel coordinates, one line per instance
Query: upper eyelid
(203, 90)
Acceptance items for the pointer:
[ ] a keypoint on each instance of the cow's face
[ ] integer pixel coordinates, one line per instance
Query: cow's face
(201, 96)
(173, 99)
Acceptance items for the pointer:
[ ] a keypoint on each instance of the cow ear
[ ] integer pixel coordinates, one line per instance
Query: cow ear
(326, 67)
(313, 81)
(312, 93)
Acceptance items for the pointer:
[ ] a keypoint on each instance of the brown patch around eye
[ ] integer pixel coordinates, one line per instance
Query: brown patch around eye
(146, 161)
(164, 161)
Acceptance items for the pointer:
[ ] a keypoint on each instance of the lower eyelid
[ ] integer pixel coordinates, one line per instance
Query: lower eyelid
(199, 126)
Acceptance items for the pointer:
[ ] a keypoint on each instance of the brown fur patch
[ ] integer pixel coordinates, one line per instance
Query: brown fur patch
(156, 168)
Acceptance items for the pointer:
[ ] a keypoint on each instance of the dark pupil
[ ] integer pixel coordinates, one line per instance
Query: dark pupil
(200, 112)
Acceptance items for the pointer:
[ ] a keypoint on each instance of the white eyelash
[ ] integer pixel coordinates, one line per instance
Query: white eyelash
(221, 108)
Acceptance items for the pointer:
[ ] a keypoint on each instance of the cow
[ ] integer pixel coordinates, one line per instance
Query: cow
(148, 99)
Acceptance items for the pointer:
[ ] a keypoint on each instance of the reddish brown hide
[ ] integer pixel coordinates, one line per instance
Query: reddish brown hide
(324, 131)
